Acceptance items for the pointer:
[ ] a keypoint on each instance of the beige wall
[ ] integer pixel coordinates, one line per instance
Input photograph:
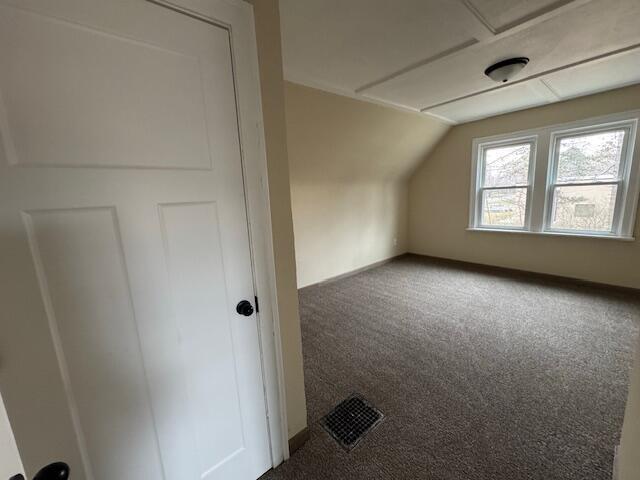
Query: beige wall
(349, 163)
(438, 216)
(439, 204)
(629, 453)
(267, 22)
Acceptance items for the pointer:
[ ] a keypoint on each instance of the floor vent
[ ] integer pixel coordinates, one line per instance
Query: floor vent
(351, 420)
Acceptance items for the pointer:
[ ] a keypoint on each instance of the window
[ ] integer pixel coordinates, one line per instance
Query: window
(586, 179)
(503, 194)
(578, 179)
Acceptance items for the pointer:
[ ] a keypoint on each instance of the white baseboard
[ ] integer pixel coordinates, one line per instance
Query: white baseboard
(615, 463)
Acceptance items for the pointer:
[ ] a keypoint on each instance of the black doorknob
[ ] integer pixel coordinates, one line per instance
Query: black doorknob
(244, 308)
(54, 471)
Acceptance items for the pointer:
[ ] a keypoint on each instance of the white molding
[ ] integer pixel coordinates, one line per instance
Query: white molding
(496, 35)
(529, 20)
(538, 76)
(479, 17)
(479, 38)
(306, 81)
(551, 234)
(550, 92)
(261, 235)
(627, 204)
(440, 55)
(478, 41)
(237, 17)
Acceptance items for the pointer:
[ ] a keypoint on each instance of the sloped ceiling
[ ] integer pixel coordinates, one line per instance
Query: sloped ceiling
(333, 139)
(429, 55)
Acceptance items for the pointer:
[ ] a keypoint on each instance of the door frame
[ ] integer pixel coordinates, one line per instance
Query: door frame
(236, 16)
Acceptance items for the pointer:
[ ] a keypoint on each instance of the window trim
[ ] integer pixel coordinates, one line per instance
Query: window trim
(628, 126)
(543, 173)
(480, 188)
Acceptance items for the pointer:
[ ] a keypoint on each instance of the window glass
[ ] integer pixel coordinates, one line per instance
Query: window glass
(506, 166)
(505, 207)
(585, 208)
(590, 157)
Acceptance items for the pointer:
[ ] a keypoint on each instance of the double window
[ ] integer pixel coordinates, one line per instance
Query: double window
(578, 179)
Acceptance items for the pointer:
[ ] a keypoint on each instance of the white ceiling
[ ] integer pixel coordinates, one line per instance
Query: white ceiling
(430, 55)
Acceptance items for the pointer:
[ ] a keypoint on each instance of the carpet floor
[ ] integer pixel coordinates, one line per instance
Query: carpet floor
(480, 375)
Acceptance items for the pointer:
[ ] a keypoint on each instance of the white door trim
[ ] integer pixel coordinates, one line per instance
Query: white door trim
(237, 17)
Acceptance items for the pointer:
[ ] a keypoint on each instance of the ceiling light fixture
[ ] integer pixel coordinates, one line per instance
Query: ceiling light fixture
(504, 70)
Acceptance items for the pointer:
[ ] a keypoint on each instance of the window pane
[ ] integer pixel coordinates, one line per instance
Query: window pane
(505, 207)
(590, 157)
(586, 208)
(505, 166)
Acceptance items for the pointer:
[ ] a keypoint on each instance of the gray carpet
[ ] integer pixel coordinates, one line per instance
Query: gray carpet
(480, 375)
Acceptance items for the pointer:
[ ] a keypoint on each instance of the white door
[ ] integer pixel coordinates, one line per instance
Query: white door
(124, 245)
(10, 464)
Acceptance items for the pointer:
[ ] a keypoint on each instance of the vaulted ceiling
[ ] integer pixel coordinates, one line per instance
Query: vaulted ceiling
(430, 55)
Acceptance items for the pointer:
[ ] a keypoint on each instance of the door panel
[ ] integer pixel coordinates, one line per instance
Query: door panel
(124, 245)
(53, 120)
(81, 269)
(193, 254)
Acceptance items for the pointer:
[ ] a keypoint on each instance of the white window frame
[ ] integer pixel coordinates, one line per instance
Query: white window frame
(532, 140)
(543, 176)
(622, 181)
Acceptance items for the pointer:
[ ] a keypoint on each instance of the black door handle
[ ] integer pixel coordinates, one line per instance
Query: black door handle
(54, 471)
(245, 308)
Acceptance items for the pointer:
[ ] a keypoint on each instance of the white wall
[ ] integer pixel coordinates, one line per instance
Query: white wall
(10, 463)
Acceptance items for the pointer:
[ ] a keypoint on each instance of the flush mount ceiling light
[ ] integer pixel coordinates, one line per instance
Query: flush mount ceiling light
(504, 70)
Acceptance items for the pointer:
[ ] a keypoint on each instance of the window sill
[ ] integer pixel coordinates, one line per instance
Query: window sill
(554, 234)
